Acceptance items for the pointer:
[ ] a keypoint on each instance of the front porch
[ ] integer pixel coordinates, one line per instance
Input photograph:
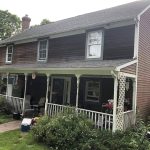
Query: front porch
(87, 93)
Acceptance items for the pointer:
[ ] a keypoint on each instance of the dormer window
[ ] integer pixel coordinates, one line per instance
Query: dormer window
(94, 44)
(42, 50)
(9, 54)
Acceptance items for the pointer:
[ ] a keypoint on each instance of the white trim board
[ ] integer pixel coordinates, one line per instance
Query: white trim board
(142, 12)
(125, 65)
(128, 75)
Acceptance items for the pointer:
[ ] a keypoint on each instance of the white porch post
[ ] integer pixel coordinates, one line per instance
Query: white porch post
(134, 99)
(46, 102)
(7, 86)
(115, 102)
(120, 105)
(77, 95)
(25, 89)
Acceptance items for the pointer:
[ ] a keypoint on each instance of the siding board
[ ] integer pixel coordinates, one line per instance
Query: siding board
(67, 48)
(143, 80)
(119, 43)
(130, 69)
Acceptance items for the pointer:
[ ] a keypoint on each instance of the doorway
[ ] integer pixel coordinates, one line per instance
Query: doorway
(60, 90)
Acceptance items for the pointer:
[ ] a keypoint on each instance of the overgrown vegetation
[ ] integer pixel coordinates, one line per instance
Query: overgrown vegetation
(5, 107)
(5, 111)
(71, 132)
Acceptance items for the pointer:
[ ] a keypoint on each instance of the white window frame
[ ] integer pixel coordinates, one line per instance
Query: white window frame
(40, 59)
(87, 90)
(100, 32)
(9, 61)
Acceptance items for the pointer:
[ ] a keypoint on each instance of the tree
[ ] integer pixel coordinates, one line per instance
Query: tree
(45, 21)
(9, 24)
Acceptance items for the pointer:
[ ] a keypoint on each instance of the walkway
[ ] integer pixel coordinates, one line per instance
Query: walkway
(13, 125)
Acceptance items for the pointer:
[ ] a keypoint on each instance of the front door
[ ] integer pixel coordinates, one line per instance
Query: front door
(60, 90)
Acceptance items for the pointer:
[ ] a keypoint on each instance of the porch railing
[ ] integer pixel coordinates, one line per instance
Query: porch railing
(101, 120)
(129, 119)
(15, 102)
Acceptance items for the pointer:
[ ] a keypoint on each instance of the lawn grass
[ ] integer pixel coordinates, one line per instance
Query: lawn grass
(16, 140)
(5, 118)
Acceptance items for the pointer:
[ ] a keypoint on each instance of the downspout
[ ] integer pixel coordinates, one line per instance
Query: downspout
(136, 48)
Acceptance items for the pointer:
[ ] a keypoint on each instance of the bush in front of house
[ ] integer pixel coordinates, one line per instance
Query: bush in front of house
(63, 131)
(72, 132)
(39, 131)
(5, 107)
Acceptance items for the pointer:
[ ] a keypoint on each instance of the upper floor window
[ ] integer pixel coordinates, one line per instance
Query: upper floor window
(42, 50)
(94, 44)
(9, 54)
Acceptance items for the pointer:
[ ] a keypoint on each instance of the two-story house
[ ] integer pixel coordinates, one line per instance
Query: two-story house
(99, 63)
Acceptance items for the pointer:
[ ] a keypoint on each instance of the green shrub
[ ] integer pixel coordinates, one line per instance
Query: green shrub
(2, 101)
(39, 131)
(5, 107)
(72, 132)
(63, 131)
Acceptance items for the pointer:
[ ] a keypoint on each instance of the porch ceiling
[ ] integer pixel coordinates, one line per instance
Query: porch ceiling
(103, 67)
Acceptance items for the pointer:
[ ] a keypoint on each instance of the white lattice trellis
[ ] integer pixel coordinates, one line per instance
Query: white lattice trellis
(120, 106)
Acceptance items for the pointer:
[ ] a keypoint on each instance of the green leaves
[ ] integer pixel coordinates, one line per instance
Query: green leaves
(9, 24)
(45, 21)
(72, 132)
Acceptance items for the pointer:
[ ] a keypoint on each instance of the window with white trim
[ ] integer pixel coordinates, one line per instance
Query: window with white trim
(92, 91)
(9, 54)
(94, 44)
(42, 50)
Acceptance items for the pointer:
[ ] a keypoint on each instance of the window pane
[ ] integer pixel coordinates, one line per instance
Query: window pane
(43, 49)
(95, 51)
(95, 38)
(94, 44)
(10, 49)
(43, 54)
(9, 57)
(93, 91)
(43, 44)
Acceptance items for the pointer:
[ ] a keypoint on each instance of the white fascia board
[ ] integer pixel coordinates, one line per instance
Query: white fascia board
(125, 65)
(141, 13)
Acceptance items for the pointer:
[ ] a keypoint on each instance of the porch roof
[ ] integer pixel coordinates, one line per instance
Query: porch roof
(94, 64)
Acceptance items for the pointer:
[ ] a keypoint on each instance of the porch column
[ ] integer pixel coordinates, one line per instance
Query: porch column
(120, 107)
(77, 95)
(46, 102)
(134, 99)
(7, 86)
(25, 89)
(115, 102)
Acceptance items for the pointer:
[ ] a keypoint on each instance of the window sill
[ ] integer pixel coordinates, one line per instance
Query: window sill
(8, 63)
(94, 58)
(42, 61)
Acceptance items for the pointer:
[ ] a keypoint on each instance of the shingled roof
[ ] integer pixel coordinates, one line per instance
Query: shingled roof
(112, 64)
(102, 17)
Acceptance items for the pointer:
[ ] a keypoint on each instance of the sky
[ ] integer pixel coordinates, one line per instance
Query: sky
(54, 10)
